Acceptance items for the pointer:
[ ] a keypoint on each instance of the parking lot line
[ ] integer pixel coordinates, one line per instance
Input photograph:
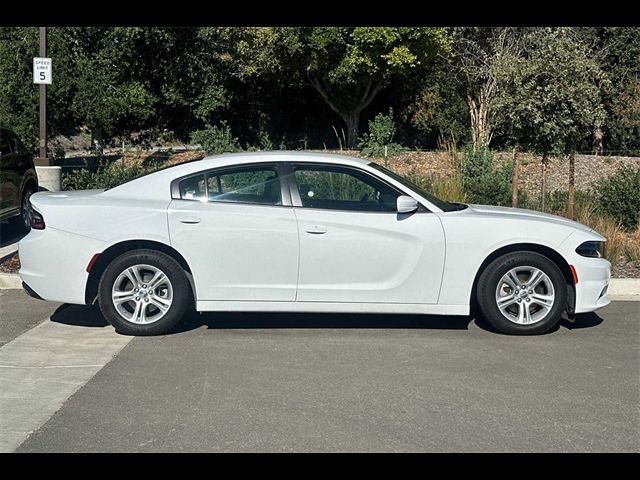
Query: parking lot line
(42, 368)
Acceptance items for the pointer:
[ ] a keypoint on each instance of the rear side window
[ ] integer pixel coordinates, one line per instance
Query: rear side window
(246, 185)
(256, 185)
(193, 188)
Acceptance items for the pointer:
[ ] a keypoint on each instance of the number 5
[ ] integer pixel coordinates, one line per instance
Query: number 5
(42, 76)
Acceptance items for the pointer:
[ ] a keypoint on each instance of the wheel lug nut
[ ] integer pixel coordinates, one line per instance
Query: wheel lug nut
(136, 289)
(137, 298)
(530, 292)
(146, 299)
(144, 286)
(528, 299)
(519, 300)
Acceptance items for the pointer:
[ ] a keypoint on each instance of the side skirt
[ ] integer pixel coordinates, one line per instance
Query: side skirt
(329, 307)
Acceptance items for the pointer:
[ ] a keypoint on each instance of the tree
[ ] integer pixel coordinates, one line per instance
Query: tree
(476, 62)
(557, 97)
(18, 95)
(347, 66)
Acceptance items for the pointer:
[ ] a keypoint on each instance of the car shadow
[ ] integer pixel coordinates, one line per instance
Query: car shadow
(11, 231)
(90, 316)
(260, 320)
(79, 315)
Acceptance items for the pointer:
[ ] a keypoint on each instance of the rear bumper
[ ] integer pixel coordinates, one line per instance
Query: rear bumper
(30, 291)
(53, 264)
(593, 282)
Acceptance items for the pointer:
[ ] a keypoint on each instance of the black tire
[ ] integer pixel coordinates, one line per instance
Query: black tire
(25, 208)
(180, 285)
(488, 284)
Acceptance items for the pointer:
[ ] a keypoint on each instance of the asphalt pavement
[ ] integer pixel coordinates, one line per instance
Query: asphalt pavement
(311, 382)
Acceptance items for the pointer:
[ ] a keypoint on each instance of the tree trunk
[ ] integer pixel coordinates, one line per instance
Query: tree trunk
(597, 140)
(352, 117)
(545, 159)
(352, 120)
(572, 187)
(96, 139)
(479, 113)
(516, 176)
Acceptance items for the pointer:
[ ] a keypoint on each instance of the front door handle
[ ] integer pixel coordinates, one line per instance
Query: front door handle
(316, 229)
(190, 220)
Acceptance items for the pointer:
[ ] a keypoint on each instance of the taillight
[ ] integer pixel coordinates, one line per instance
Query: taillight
(37, 221)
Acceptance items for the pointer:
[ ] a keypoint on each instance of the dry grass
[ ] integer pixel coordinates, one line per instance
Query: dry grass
(616, 246)
(445, 187)
(632, 247)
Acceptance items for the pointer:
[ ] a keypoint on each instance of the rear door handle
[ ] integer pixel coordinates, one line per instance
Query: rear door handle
(316, 229)
(190, 220)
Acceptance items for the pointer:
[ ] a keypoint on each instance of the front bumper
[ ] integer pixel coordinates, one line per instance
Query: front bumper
(594, 275)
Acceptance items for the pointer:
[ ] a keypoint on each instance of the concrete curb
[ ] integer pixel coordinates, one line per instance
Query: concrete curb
(619, 288)
(6, 252)
(10, 281)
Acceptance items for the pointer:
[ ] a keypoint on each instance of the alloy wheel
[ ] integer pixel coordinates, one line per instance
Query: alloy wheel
(525, 295)
(142, 294)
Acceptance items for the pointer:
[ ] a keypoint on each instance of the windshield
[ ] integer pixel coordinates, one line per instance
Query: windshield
(441, 204)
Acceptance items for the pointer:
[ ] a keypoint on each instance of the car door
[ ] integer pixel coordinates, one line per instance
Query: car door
(355, 247)
(236, 228)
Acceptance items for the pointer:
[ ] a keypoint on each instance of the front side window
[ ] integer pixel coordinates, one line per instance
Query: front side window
(335, 188)
(258, 185)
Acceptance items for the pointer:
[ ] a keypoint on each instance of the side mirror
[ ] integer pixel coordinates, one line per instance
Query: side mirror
(406, 204)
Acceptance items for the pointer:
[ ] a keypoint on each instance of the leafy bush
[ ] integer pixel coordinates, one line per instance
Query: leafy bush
(619, 196)
(216, 139)
(107, 175)
(484, 182)
(557, 201)
(382, 129)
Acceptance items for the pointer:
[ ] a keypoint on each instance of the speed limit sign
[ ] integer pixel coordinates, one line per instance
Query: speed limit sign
(42, 70)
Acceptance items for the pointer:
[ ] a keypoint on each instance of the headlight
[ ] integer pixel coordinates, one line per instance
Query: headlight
(591, 249)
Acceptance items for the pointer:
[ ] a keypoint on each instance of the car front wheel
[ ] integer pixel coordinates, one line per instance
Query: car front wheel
(143, 292)
(522, 293)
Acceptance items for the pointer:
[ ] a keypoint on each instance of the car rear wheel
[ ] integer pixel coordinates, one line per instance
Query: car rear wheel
(143, 292)
(522, 293)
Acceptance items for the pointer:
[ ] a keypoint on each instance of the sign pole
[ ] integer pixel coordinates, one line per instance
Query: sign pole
(43, 160)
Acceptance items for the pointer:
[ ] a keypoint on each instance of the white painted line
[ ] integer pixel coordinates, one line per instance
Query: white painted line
(42, 368)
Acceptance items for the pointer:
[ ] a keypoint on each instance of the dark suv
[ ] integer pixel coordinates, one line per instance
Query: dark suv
(18, 179)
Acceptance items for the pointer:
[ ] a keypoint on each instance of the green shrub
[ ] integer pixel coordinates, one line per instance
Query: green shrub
(107, 175)
(216, 139)
(556, 201)
(619, 196)
(484, 182)
(382, 129)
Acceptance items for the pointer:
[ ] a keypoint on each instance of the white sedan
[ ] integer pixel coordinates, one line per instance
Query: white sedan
(304, 232)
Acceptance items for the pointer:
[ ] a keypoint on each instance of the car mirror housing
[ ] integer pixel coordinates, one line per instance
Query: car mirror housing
(406, 204)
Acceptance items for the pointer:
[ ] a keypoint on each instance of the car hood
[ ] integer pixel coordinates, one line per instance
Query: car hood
(523, 214)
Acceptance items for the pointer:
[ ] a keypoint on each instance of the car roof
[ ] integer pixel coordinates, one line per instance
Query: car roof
(156, 180)
(291, 156)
